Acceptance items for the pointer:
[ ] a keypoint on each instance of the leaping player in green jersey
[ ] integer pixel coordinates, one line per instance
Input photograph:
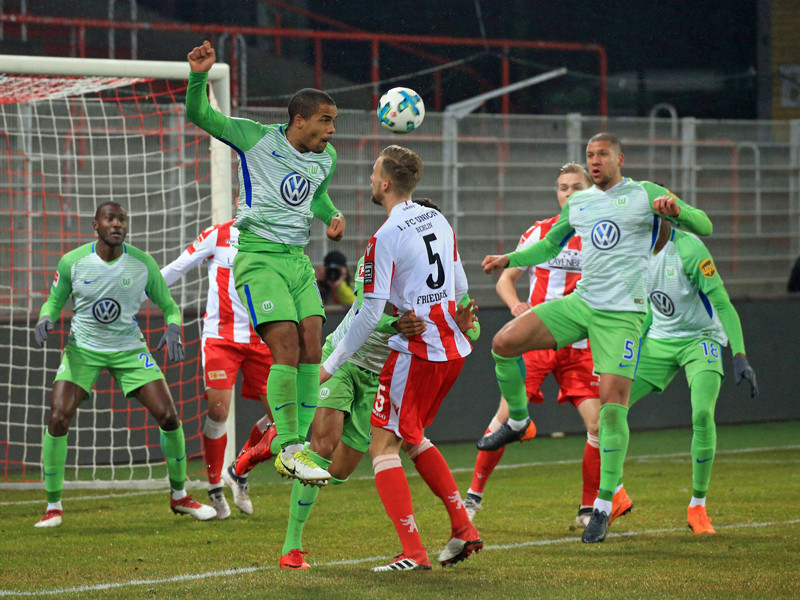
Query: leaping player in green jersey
(692, 318)
(106, 279)
(284, 172)
(617, 220)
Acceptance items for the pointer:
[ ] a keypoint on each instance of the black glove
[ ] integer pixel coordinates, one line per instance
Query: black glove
(172, 338)
(743, 370)
(43, 327)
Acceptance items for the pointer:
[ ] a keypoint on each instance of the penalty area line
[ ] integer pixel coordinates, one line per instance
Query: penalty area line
(373, 559)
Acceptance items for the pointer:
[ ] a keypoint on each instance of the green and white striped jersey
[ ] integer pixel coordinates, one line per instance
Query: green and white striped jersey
(682, 276)
(280, 189)
(618, 228)
(107, 296)
(374, 352)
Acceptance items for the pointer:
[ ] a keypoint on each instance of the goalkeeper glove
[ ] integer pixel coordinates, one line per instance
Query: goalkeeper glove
(743, 370)
(172, 339)
(43, 327)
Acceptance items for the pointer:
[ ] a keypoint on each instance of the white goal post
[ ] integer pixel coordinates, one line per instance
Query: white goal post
(74, 133)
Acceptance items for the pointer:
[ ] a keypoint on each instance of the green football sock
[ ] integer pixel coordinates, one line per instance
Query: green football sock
(335, 481)
(510, 373)
(54, 460)
(307, 395)
(282, 396)
(705, 389)
(173, 447)
(614, 436)
(303, 498)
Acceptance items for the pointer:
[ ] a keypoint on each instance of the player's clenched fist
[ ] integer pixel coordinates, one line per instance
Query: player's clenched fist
(493, 262)
(202, 57)
(667, 206)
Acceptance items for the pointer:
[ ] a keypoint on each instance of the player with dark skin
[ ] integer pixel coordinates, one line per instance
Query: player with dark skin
(111, 225)
(106, 279)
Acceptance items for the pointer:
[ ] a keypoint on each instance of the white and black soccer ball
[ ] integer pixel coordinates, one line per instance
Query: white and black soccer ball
(401, 110)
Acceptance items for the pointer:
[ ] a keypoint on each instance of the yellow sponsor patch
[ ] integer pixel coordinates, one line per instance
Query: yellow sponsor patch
(213, 375)
(707, 268)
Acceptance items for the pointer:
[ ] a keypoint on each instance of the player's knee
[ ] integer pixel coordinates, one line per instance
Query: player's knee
(218, 412)
(501, 345)
(59, 423)
(703, 418)
(169, 420)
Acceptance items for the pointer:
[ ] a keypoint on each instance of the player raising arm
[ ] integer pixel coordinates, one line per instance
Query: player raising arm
(106, 279)
(617, 220)
(571, 366)
(284, 172)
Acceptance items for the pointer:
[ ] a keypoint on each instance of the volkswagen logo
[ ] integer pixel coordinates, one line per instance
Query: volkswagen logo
(106, 310)
(294, 189)
(605, 235)
(662, 303)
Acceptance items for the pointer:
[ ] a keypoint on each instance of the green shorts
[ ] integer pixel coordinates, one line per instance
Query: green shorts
(660, 360)
(277, 286)
(131, 368)
(613, 336)
(351, 390)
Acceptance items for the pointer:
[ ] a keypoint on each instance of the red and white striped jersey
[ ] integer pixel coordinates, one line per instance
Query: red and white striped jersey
(226, 318)
(412, 261)
(557, 277)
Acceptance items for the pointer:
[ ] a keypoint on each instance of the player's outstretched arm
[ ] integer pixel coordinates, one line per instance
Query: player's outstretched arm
(493, 262)
(688, 217)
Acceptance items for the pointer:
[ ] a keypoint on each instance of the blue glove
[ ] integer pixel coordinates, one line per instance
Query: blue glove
(743, 370)
(172, 339)
(43, 327)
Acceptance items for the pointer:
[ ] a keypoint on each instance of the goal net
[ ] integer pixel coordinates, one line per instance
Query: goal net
(73, 134)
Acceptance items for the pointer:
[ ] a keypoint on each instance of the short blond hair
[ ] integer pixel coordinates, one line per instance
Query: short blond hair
(403, 167)
(572, 167)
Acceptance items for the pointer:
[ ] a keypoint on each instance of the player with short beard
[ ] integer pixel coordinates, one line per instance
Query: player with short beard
(412, 262)
(617, 220)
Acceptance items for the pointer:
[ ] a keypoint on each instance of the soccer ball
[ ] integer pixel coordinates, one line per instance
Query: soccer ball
(401, 110)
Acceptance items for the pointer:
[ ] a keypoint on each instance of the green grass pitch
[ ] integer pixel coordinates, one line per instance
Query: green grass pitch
(120, 544)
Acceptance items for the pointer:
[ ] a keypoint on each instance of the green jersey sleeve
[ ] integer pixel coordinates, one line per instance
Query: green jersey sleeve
(700, 269)
(241, 133)
(59, 291)
(321, 205)
(690, 218)
(157, 290)
(548, 247)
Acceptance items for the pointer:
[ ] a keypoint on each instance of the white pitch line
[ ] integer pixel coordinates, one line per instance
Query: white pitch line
(640, 458)
(372, 559)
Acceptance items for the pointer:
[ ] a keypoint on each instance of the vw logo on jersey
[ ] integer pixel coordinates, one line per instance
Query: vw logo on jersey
(294, 188)
(605, 235)
(106, 310)
(662, 303)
